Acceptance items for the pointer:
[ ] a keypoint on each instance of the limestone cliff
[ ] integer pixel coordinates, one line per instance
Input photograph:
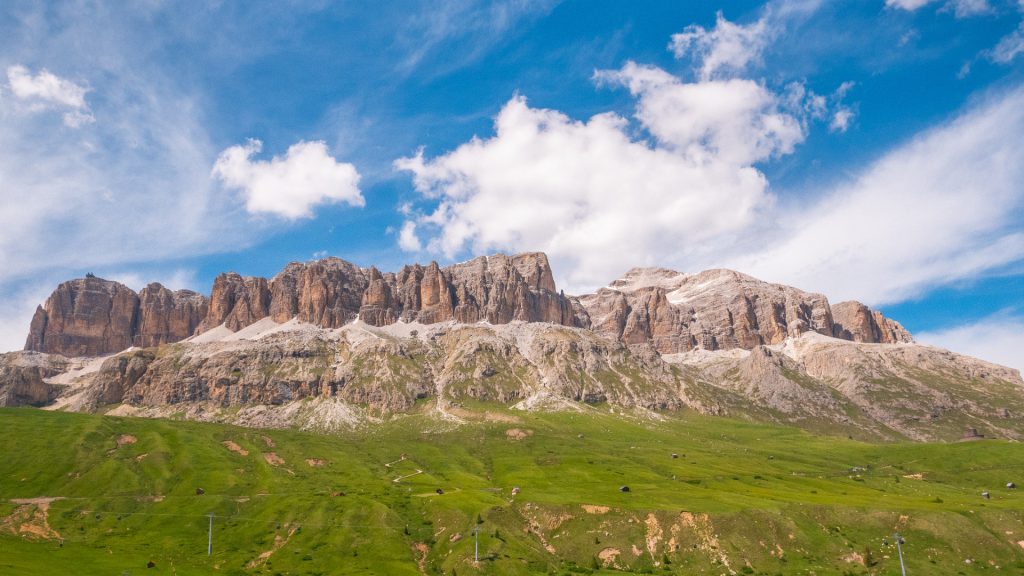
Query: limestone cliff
(92, 316)
(855, 321)
(712, 310)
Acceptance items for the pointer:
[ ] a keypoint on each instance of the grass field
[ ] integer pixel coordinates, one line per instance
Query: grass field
(739, 498)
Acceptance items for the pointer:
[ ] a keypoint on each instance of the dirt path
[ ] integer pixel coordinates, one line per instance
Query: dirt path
(278, 544)
(400, 478)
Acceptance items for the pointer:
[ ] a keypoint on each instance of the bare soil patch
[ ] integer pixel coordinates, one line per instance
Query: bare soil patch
(594, 509)
(30, 518)
(518, 433)
(126, 439)
(235, 448)
(273, 459)
(316, 462)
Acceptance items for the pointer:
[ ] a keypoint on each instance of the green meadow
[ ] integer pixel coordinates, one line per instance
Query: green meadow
(90, 494)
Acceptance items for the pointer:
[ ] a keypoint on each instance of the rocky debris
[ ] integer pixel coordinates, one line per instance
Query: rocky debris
(91, 316)
(855, 321)
(23, 378)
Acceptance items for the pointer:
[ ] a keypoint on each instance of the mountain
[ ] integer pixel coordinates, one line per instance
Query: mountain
(328, 344)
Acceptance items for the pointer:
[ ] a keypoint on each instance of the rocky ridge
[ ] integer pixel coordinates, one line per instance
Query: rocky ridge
(327, 343)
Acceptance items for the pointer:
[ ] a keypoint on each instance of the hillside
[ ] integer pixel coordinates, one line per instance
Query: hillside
(402, 497)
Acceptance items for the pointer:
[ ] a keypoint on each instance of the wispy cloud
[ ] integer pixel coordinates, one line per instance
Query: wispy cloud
(937, 209)
(961, 8)
(998, 338)
(474, 26)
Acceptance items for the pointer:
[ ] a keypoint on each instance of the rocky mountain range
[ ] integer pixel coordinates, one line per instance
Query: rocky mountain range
(327, 343)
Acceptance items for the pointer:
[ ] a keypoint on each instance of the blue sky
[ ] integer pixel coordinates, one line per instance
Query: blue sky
(867, 149)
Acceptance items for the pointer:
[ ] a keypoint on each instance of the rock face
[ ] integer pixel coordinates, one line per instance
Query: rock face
(332, 292)
(91, 316)
(673, 312)
(85, 317)
(22, 378)
(165, 316)
(855, 321)
(713, 310)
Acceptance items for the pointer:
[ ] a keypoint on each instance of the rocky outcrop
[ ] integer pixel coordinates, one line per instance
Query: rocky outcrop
(165, 316)
(671, 311)
(92, 316)
(332, 292)
(236, 302)
(855, 321)
(713, 310)
(22, 378)
(85, 317)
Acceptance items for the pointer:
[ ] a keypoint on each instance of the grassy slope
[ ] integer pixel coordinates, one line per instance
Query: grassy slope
(764, 490)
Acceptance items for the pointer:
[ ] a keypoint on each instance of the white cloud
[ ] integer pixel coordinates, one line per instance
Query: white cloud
(407, 238)
(998, 339)
(45, 87)
(175, 279)
(907, 4)
(729, 49)
(841, 120)
(961, 8)
(599, 196)
(289, 186)
(47, 90)
(939, 208)
(1009, 46)
(737, 121)
(594, 199)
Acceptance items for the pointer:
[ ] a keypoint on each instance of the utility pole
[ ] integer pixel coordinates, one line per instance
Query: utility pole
(209, 542)
(476, 544)
(899, 548)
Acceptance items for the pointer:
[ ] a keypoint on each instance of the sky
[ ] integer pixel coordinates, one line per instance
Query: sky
(869, 149)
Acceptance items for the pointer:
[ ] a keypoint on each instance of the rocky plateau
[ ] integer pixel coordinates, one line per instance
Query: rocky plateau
(327, 344)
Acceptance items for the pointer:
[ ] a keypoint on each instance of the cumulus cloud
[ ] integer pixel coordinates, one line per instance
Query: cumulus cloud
(45, 90)
(736, 121)
(288, 186)
(604, 194)
(937, 209)
(998, 339)
(587, 193)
